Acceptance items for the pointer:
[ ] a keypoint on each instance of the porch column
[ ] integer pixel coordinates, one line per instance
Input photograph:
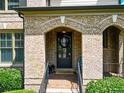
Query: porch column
(34, 60)
(121, 54)
(92, 50)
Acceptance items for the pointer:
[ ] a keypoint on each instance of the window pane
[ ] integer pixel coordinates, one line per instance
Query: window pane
(19, 39)
(3, 43)
(2, 4)
(6, 39)
(6, 55)
(9, 36)
(22, 44)
(13, 3)
(9, 43)
(3, 36)
(19, 36)
(17, 43)
(19, 55)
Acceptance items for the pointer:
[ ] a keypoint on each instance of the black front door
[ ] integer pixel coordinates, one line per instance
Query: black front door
(64, 50)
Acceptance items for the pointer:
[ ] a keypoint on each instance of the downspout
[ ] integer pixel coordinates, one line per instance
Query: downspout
(21, 15)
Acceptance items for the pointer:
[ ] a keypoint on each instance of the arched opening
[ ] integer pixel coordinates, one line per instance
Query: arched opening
(63, 47)
(111, 50)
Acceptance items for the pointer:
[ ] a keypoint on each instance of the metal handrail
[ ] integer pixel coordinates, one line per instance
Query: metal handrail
(79, 74)
(80, 81)
(45, 80)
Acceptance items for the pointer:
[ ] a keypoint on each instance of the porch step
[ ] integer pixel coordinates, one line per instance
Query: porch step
(64, 71)
(62, 83)
(61, 90)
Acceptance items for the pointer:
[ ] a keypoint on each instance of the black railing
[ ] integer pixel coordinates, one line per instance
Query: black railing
(79, 75)
(45, 80)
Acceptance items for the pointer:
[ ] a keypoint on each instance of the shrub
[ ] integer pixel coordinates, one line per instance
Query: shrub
(10, 79)
(21, 91)
(106, 85)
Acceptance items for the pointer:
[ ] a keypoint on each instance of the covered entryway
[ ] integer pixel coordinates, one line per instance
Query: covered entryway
(63, 47)
(111, 51)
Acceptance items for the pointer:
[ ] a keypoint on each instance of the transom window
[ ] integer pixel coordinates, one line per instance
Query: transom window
(11, 47)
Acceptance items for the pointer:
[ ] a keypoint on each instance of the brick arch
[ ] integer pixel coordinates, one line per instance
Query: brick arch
(107, 22)
(56, 22)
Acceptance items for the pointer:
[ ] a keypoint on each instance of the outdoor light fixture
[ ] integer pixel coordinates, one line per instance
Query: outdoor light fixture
(63, 31)
(114, 18)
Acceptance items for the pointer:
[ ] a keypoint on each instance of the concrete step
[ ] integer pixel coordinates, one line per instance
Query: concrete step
(61, 90)
(62, 83)
(64, 71)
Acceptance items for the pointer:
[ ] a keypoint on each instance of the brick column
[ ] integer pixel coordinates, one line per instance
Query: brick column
(121, 54)
(92, 51)
(34, 60)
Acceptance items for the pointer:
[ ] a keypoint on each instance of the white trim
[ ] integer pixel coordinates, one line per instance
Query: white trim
(10, 65)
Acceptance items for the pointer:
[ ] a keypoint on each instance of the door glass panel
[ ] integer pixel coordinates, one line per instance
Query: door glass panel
(64, 50)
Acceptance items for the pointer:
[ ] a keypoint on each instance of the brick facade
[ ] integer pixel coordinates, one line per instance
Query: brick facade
(90, 37)
(87, 40)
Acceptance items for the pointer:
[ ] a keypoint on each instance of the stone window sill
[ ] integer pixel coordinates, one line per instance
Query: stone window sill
(8, 12)
(10, 65)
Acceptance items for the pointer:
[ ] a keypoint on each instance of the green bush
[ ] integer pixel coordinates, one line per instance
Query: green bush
(21, 91)
(106, 85)
(10, 79)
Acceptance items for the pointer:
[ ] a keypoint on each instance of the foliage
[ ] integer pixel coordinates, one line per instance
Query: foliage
(106, 85)
(10, 79)
(21, 91)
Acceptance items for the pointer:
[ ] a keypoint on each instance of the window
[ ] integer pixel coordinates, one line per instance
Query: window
(11, 47)
(13, 3)
(105, 39)
(8, 4)
(121, 1)
(2, 5)
(6, 47)
(19, 47)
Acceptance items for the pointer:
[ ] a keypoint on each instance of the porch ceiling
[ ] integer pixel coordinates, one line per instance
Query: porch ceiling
(71, 9)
